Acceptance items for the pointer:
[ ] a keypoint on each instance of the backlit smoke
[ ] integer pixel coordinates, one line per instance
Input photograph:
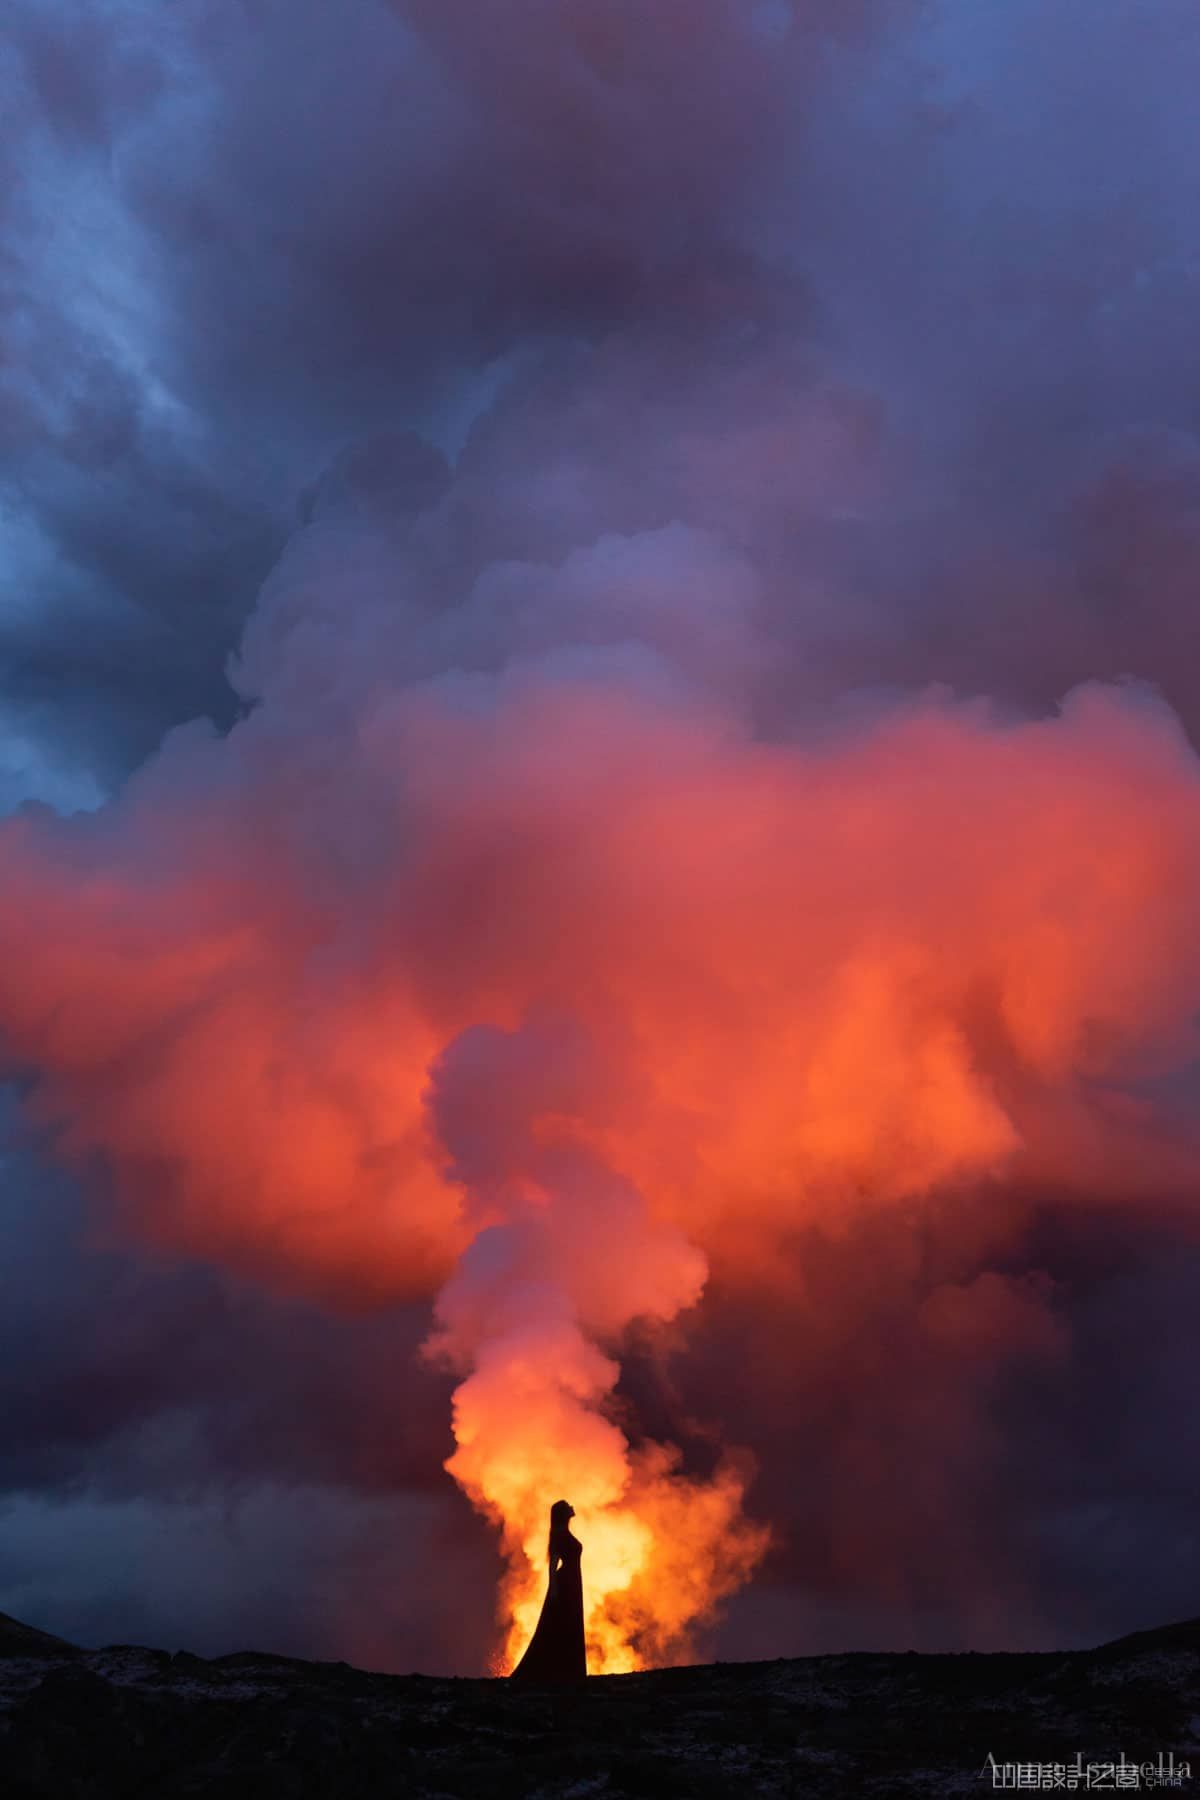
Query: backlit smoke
(301, 989)
(567, 1257)
(615, 898)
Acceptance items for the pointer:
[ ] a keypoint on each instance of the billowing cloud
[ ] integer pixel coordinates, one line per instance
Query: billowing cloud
(685, 908)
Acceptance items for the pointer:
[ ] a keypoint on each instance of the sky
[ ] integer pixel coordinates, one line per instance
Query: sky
(599, 727)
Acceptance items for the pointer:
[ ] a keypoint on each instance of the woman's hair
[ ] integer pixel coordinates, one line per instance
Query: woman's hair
(560, 1514)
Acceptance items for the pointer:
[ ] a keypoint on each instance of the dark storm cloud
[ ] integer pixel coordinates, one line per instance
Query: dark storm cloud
(393, 1584)
(183, 1462)
(241, 236)
(121, 1342)
(997, 223)
(132, 546)
(284, 229)
(988, 1446)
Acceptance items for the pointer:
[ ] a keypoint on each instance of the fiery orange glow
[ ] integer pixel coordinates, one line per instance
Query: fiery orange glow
(657, 1565)
(633, 996)
(660, 1550)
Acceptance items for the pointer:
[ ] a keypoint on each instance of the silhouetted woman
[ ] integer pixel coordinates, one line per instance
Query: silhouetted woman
(556, 1656)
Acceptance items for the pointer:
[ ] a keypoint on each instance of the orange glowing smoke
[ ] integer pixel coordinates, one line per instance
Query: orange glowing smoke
(580, 1258)
(660, 1551)
(305, 995)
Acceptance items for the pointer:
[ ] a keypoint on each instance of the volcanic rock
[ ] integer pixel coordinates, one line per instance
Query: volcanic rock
(125, 1721)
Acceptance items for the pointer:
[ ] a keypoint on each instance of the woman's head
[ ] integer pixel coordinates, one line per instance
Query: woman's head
(561, 1514)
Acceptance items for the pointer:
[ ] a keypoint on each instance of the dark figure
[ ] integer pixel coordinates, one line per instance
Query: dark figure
(556, 1656)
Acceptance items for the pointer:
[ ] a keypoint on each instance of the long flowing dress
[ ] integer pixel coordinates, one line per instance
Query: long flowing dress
(557, 1655)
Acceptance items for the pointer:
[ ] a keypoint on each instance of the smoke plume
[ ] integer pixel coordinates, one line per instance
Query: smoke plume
(686, 893)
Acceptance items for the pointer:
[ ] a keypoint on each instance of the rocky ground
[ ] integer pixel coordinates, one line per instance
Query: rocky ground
(125, 1721)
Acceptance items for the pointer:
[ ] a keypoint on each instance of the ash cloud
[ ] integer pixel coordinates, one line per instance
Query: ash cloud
(486, 423)
(180, 1466)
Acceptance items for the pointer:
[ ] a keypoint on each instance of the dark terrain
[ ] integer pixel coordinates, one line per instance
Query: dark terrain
(82, 1725)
